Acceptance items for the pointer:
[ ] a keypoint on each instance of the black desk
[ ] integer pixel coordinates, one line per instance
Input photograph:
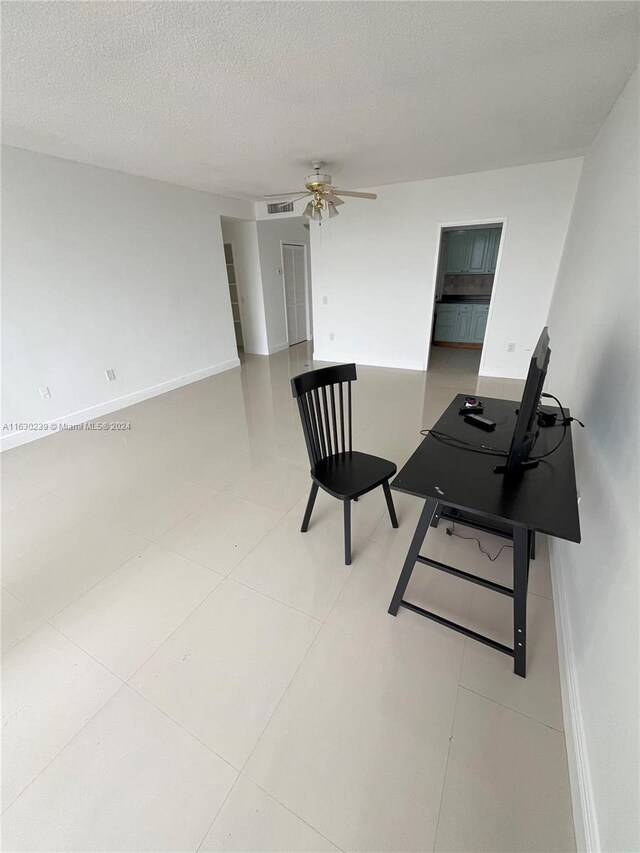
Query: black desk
(461, 486)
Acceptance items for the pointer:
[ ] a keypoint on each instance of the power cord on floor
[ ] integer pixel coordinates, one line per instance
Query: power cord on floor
(451, 531)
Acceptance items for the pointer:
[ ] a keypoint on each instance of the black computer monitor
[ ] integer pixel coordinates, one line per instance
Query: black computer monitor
(526, 428)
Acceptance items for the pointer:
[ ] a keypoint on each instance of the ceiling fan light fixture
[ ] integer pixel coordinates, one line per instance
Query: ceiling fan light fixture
(324, 197)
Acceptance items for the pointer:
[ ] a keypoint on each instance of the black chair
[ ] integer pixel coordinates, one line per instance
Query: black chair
(343, 473)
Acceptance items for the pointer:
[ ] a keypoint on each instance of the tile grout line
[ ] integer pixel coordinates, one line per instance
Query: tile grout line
(215, 817)
(272, 598)
(354, 565)
(169, 636)
(5, 809)
(84, 651)
(513, 710)
(47, 619)
(286, 690)
(446, 766)
(201, 506)
(284, 693)
(123, 683)
(306, 822)
(177, 723)
(453, 717)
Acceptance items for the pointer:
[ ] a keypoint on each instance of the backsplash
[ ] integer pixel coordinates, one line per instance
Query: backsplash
(467, 285)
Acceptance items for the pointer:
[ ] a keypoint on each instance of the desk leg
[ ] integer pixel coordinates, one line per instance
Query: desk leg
(436, 515)
(521, 554)
(426, 516)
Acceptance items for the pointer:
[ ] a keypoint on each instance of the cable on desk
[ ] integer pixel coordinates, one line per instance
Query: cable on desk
(566, 420)
(451, 531)
(487, 450)
(564, 423)
(553, 449)
(484, 449)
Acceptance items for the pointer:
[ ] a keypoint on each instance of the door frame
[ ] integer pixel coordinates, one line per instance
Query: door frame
(304, 246)
(466, 223)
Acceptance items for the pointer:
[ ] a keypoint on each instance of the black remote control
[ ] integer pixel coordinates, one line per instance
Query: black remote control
(483, 423)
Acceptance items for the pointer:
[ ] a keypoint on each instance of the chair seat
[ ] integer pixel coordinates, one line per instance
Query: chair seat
(348, 475)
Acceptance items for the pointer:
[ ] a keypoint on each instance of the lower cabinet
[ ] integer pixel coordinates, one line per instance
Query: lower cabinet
(478, 325)
(461, 323)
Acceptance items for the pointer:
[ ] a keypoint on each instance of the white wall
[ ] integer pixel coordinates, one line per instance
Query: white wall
(105, 270)
(376, 263)
(595, 368)
(271, 235)
(243, 236)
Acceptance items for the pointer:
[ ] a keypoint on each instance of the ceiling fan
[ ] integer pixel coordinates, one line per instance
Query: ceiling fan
(324, 196)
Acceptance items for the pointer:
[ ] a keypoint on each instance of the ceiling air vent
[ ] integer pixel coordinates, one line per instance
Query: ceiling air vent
(283, 207)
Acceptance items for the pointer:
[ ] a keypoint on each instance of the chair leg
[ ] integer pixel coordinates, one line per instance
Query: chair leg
(309, 509)
(347, 532)
(390, 506)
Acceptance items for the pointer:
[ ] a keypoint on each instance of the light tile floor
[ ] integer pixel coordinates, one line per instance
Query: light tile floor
(183, 670)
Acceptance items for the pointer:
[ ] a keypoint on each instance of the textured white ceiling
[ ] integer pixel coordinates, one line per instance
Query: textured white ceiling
(239, 97)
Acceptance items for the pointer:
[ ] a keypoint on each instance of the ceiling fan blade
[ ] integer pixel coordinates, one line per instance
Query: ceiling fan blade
(354, 194)
(282, 195)
(285, 201)
(330, 196)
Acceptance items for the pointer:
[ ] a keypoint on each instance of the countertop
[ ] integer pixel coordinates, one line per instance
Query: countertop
(480, 300)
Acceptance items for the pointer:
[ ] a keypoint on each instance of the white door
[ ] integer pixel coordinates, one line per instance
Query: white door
(295, 292)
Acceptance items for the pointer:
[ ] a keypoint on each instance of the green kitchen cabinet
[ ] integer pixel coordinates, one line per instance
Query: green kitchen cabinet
(457, 251)
(478, 250)
(492, 249)
(464, 315)
(478, 324)
(462, 323)
(445, 322)
(473, 251)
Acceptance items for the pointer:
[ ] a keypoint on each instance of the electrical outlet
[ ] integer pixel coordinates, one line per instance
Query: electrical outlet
(110, 374)
(324, 300)
(511, 347)
(44, 392)
(331, 336)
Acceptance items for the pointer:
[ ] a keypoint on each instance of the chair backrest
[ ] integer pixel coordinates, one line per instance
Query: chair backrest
(325, 413)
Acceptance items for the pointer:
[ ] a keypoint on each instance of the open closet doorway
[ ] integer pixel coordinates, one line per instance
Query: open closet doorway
(467, 263)
(294, 274)
(233, 295)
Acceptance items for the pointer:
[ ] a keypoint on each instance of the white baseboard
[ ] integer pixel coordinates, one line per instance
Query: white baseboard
(278, 347)
(369, 361)
(584, 812)
(15, 439)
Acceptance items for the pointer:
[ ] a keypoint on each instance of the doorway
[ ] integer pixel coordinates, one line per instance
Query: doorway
(294, 273)
(233, 295)
(467, 263)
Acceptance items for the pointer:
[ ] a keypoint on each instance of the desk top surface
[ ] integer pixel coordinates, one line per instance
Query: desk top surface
(543, 498)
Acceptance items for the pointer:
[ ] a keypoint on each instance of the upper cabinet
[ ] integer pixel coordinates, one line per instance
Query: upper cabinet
(492, 249)
(473, 251)
(457, 251)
